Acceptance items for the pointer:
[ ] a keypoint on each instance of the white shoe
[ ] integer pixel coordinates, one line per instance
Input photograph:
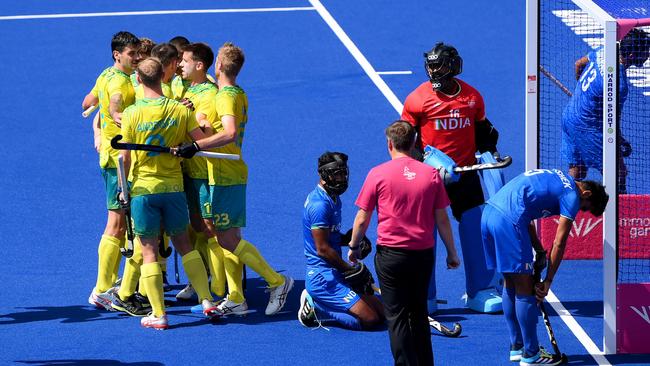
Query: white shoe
(278, 296)
(227, 307)
(187, 293)
(102, 300)
(210, 309)
(157, 323)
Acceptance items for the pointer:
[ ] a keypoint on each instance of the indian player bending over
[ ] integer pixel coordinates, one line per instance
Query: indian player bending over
(228, 180)
(114, 91)
(157, 191)
(327, 290)
(509, 239)
(582, 120)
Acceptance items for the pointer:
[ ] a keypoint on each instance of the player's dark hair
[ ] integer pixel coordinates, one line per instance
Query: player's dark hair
(330, 157)
(124, 39)
(637, 40)
(402, 135)
(201, 52)
(146, 46)
(165, 52)
(598, 198)
(179, 42)
(150, 71)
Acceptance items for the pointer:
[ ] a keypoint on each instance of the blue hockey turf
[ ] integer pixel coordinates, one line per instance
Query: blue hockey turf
(307, 94)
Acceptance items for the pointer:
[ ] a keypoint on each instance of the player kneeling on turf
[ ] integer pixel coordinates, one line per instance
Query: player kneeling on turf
(509, 238)
(334, 288)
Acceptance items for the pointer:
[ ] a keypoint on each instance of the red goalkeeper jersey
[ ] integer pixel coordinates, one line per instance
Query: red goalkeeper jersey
(446, 122)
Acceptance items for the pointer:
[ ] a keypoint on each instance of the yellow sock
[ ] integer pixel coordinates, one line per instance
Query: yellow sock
(234, 269)
(251, 257)
(152, 280)
(116, 268)
(108, 253)
(195, 271)
(131, 274)
(201, 245)
(218, 280)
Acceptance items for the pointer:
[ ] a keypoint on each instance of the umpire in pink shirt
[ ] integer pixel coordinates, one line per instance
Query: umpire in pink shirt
(411, 201)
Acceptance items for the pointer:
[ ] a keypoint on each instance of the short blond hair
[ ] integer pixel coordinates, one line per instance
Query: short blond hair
(231, 58)
(150, 71)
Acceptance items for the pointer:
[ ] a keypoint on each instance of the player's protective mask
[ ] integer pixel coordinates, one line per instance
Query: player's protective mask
(442, 63)
(335, 175)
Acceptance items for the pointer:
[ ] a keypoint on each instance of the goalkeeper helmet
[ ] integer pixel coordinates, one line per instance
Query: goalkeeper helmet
(333, 170)
(442, 63)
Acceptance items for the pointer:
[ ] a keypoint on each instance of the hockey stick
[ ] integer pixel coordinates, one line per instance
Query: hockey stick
(549, 328)
(501, 163)
(115, 144)
(123, 187)
(177, 275)
(444, 330)
(555, 81)
(164, 252)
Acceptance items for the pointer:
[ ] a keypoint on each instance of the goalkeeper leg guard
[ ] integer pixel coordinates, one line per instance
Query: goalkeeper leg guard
(108, 253)
(251, 257)
(152, 280)
(480, 282)
(217, 271)
(195, 270)
(234, 269)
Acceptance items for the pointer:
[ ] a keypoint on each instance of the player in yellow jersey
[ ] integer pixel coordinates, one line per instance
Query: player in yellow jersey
(197, 59)
(146, 46)
(157, 190)
(114, 92)
(228, 187)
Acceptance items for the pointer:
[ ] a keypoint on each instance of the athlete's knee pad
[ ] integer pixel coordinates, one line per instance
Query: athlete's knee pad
(477, 276)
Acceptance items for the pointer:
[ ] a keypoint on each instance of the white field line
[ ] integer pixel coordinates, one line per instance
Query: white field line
(577, 330)
(153, 12)
(394, 72)
(361, 59)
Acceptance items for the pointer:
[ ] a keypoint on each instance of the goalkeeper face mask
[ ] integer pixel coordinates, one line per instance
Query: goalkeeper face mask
(335, 176)
(442, 63)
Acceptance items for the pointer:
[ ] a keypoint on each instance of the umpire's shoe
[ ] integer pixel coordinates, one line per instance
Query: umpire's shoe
(131, 306)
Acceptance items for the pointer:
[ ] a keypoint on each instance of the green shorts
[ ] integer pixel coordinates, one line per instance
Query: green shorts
(229, 206)
(150, 210)
(110, 182)
(198, 196)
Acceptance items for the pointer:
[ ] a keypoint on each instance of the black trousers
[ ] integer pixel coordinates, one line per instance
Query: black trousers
(404, 278)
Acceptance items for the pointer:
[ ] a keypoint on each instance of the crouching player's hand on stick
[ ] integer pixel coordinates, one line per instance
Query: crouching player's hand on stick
(541, 290)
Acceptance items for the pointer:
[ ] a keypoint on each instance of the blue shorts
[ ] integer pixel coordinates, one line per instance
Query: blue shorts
(326, 287)
(507, 246)
(150, 210)
(228, 206)
(198, 196)
(110, 182)
(582, 146)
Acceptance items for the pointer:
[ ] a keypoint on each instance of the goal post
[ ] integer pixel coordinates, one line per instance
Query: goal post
(558, 34)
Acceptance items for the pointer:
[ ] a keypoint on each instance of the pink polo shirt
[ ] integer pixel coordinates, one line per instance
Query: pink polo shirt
(406, 193)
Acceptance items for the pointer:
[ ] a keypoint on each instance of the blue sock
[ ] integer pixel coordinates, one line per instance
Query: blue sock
(346, 319)
(510, 313)
(527, 314)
